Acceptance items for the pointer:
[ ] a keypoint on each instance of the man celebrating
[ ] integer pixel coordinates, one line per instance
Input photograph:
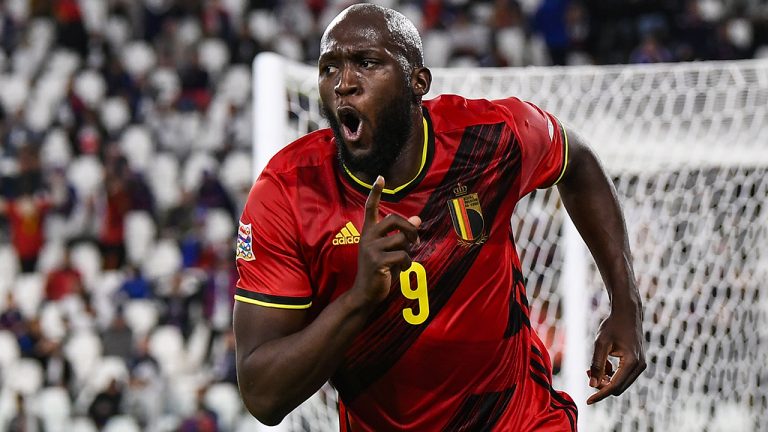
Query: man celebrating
(407, 293)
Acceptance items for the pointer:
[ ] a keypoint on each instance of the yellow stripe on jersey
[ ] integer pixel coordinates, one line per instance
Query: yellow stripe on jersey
(565, 162)
(421, 167)
(272, 305)
(345, 232)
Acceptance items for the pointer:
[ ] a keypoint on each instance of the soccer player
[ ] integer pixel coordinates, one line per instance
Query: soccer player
(378, 253)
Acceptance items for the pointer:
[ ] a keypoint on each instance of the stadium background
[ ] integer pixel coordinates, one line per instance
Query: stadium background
(126, 158)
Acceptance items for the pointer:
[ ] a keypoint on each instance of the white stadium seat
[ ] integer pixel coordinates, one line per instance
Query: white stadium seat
(121, 423)
(166, 345)
(24, 376)
(140, 233)
(137, 146)
(9, 349)
(53, 406)
(86, 258)
(28, 290)
(224, 400)
(141, 316)
(83, 350)
(90, 87)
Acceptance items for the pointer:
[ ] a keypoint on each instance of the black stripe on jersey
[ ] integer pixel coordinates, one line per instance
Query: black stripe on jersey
(274, 299)
(387, 336)
(517, 315)
(480, 412)
(558, 402)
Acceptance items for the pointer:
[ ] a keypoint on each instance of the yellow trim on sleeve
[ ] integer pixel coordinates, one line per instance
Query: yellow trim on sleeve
(271, 305)
(421, 167)
(565, 162)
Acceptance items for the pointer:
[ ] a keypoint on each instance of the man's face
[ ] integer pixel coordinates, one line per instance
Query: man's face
(366, 96)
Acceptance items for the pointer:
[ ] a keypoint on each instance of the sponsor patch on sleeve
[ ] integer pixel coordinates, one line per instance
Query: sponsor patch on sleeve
(244, 243)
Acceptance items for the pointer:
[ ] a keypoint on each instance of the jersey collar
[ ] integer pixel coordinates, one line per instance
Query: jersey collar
(401, 191)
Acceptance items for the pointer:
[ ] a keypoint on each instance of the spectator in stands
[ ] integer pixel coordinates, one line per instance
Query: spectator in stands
(117, 339)
(106, 404)
(135, 285)
(650, 51)
(24, 420)
(63, 280)
(212, 194)
(203, 419)
(26, 217)
(112, 234)
(11, 318)
(176, 304)
(223, 359)
(58, 371)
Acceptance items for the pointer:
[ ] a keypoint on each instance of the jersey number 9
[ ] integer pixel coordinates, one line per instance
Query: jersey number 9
(417, 291)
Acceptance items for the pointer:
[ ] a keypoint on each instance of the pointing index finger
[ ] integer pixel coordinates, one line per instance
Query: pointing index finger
(372, 203)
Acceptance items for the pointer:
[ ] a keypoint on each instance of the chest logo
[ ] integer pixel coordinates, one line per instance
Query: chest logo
(347, 235)
(467, 217)
(244, 249)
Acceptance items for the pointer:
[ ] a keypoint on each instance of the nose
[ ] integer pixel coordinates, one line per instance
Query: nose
(347, 83)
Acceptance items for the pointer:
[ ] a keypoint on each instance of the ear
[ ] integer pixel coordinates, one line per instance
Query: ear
(421, 81)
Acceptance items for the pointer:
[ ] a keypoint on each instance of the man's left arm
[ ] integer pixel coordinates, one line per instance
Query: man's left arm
(591, 201)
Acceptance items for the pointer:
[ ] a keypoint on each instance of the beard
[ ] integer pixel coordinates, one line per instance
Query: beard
(394, 125)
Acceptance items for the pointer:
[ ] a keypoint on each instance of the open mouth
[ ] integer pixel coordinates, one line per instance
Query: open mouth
(351, 125)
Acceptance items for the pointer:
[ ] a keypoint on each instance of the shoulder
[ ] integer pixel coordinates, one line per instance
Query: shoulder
(311, 150)
(450, 111)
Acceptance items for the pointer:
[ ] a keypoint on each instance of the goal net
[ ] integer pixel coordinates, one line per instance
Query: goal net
(687, 148)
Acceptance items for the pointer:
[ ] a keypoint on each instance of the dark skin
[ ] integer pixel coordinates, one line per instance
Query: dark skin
(282, 360)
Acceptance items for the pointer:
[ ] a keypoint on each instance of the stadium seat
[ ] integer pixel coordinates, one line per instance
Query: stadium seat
(28, 290)
(437, 48)
(166, 345)
(14, 92)
(214, 56)
(24, 376)
(236, 172)
(219, 226)
(138, 58)
(86, 174)
(7, 404)
(51, 322)
(83, 350)
(163, 260)
(263, 25)
(9, 266)
(90, 87)
(224, 400)
(197, 346)
(163, 179)
(81, 424)
(121, 423)
(511, 43)
(138, 148)
(114, 114)
(235, 86)
(141, 316)
(62, 62)
(140, 233)
(107, 369)
(52, 253)
(9, 349)
(86, 258)
(197, 164)
(53, 406)
(165, 81)
(183, 391)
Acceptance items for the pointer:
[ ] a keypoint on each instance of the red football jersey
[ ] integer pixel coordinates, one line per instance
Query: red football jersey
(452, 348)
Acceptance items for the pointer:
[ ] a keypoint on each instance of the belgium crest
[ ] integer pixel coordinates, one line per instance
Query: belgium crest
(467, 217)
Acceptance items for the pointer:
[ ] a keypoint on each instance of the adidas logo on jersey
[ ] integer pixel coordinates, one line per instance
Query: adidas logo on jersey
(347, 235)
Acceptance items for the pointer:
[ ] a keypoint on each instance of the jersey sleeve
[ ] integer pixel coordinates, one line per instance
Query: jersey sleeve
(271, 270)
(543, 144)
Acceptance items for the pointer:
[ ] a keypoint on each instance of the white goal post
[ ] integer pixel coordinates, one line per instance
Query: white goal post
(686, 146)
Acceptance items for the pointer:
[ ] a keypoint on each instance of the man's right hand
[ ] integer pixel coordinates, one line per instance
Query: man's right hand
(383, 247)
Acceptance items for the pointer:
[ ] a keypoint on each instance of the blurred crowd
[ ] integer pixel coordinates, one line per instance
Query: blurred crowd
(125, 159)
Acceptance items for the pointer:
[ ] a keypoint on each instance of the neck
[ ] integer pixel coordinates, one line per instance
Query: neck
(408, 163)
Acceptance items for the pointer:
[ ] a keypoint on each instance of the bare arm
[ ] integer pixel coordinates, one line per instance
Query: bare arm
(281, 361)
(590, 198)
